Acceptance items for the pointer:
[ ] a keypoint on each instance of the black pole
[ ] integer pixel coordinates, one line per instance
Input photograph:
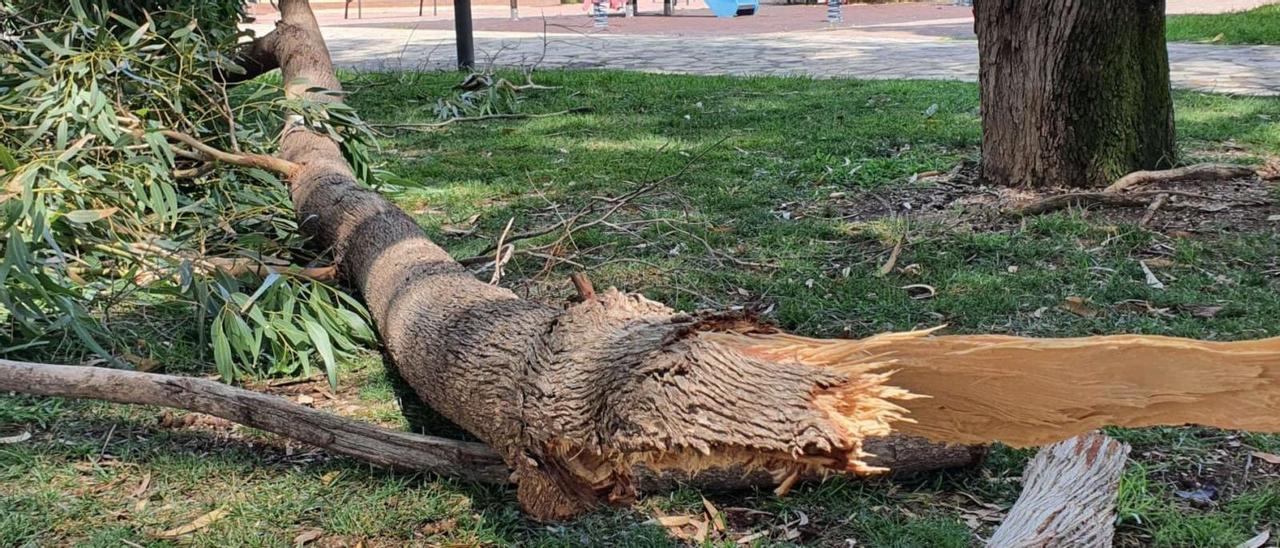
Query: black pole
(465, 36)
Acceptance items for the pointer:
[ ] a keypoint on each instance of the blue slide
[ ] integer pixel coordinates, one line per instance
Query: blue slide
(733, 8)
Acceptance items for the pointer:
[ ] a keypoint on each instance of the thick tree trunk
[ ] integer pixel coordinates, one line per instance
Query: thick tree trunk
(1074, 92)
(575, 398)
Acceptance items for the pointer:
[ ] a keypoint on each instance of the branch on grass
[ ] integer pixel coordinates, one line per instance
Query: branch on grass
(1068, 496)
(428, 126)
(352, 438)
(237, 266)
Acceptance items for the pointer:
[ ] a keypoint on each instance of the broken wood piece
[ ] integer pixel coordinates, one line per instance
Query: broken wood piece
(1155, 206)
(583, 286)
(1068, 496)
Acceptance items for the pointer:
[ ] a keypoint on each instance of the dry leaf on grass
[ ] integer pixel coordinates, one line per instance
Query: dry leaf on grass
(195, 525)
(465, 228)
(307, 536)
(1266, 457)
(1206, 311)
(1080, 307)
(713, 514)
(920, 292)
(140, 363)
(1152, 281)
(15, 439)
(1258, 541)
(141, 489)
(328, 477)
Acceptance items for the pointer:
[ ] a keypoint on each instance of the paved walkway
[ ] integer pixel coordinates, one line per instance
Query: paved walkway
(895, 49)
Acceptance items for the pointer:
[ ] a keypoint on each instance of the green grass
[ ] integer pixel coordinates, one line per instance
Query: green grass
(1260, 25)
(758, 160)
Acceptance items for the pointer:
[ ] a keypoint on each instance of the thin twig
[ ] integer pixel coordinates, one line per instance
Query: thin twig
(428, 126)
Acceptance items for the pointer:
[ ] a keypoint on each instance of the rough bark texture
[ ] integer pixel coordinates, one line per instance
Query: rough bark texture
(388, 448)
(575, 398)
(1068, 496)
(256, 57)
(1074, 92)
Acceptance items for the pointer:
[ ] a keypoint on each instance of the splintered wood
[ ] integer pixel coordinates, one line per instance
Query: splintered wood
(974, 389)
(1068, 496)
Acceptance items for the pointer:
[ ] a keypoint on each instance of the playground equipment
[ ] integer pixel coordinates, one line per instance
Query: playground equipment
(733, 8)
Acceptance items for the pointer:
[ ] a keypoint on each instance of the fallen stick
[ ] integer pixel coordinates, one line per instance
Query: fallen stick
(352, 438)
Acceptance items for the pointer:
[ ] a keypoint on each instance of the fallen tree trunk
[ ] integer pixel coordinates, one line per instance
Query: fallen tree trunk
(575, 398)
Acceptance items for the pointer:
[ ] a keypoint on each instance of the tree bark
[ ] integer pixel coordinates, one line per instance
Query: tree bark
(572, 398)
(1074, 92)
(1068, 496)
(575, 398)
(380, 446)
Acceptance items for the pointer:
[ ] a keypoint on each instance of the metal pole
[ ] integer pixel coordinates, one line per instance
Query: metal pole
(465, 36)
(515, 10)
(420, 2)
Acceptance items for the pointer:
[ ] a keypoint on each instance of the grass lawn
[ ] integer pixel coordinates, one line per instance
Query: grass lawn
(761, 180)
(1260, 25)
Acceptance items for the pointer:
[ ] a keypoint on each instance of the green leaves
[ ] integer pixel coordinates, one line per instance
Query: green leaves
(100, 216)
(320, 338)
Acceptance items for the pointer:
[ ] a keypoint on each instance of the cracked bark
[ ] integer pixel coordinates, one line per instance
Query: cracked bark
(1074, 92)
(576, 398)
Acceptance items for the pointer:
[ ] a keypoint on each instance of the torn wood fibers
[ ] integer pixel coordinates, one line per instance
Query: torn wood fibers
(575, 398)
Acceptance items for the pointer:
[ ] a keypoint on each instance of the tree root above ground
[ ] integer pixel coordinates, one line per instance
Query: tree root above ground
(1189, 204)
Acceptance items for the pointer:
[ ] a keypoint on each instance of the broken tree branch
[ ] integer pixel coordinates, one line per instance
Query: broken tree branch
(369, 443)
(255, 58)
(1068, 496)
(260, 161)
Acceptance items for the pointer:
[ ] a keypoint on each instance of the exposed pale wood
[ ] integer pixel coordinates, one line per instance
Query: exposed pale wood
(1027, 392)
(380, 446)
(1068, 496)
(1205, 172)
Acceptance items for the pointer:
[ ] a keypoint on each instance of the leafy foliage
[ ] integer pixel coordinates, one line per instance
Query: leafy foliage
(104, 219)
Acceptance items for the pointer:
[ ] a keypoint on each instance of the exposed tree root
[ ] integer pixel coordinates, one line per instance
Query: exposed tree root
(1205, 172)
(1120, 192)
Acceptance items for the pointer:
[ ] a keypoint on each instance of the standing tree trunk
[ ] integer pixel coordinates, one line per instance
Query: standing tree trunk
(1074, 92)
